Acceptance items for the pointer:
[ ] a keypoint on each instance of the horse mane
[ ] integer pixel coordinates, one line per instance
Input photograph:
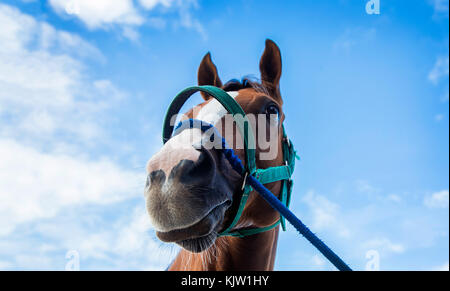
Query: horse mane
(246, 82)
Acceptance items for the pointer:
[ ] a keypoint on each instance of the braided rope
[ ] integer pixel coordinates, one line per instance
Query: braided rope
(237, 165)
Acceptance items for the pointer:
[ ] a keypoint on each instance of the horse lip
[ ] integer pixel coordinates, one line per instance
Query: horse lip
(205, 227)
(199, 244)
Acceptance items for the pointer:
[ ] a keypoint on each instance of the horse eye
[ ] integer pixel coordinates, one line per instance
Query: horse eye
(272, 109)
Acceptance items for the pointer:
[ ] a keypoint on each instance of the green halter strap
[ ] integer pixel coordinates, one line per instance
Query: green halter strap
(265, 176)
(230, 105)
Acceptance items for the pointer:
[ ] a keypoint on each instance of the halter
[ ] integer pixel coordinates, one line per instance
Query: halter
(254, 178)
(264, 176)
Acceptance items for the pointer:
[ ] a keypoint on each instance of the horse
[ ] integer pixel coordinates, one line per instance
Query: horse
(191, 191)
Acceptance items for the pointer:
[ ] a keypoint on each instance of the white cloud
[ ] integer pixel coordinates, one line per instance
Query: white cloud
(325, 214)
(130, 33)
(105, 14)
(394, 198)
(43, 92)
(51, 191)
(120, 242)
(42, 82)
(188, 21)
(353, 37)
(355, 226)
(319, 262)
(437, 200)
(363, 186)
(440, 7)
(150, 4)
(38, 185)
(41, 78)
(100, 13)
(440, 70)
(128, 238)
(19, 32)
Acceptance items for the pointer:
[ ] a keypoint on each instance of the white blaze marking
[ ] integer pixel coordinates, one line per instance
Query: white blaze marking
(185, 145)
(233, 94)
(214, 111)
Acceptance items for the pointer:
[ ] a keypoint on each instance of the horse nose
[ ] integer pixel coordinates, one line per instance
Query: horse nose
(180, 189)
(196, 173)
(193, 167)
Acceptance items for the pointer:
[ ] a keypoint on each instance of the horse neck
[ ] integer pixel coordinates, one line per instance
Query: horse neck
(253, 253)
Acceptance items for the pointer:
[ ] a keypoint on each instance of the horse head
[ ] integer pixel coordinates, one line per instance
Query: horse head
(192, 192)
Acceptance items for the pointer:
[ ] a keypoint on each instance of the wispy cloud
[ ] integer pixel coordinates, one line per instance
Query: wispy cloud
(150, 4)
(99, 13)
(439, 75)
(353, 37)
(394, 198)
(440, 70)
(319, 262)
(440, 8)
(128, 15)
(325, 214)
(35, 185)
(103, 242)
(384, 245)
(437, 200)
(363, 186)
(43, 82)
(381, 222)
(52, 113)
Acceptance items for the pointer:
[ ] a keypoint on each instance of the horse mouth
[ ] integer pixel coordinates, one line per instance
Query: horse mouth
(200, 236)
(199, 244)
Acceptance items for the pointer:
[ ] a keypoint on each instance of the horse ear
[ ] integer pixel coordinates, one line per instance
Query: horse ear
(270, 67)
(207, 74)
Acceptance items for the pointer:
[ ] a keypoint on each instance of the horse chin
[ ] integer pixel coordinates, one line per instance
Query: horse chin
(200, 236)
(200, 244)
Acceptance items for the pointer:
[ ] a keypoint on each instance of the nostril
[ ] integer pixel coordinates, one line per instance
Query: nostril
(199, 172)
(156, 177)
(204, 166)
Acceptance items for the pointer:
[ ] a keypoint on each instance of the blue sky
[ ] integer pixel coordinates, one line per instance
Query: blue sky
(84, 86)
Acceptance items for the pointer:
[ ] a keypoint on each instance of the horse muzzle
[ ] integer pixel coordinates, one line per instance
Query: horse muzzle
(186, 198)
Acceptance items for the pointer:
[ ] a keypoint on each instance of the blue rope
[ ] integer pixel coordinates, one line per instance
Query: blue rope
(298, 224)
(237, 165)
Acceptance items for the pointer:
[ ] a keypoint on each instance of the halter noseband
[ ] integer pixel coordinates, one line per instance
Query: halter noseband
(264, 176)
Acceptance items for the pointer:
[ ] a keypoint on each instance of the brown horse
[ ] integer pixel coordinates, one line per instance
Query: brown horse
(190, 191)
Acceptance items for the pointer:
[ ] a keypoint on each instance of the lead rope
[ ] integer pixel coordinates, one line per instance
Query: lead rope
(272, 199)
